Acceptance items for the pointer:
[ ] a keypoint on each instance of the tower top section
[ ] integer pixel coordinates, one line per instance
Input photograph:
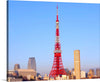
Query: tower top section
(57, 44)
(57, 14)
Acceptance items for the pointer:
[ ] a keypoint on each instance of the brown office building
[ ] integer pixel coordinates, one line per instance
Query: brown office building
(77, 63)
(98, 72)
(16, 67)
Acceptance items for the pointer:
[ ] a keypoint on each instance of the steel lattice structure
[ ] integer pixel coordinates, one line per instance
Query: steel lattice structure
(57, 68)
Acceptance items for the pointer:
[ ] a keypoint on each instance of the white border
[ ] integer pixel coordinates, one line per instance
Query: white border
(3, 63)
(3, 24)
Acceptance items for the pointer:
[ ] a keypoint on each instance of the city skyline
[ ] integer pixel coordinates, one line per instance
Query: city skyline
(32, 33)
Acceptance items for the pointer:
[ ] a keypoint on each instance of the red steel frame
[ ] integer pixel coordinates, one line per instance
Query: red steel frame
(57, 68)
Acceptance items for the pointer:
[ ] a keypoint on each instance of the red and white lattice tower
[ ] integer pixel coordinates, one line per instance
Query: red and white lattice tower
(57, 68)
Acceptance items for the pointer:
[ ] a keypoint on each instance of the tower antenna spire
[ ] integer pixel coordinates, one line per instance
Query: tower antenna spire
(57, 8)
(57, 14)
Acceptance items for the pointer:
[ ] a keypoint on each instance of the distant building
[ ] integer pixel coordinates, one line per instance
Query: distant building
(83, 74)
(67, 71)
(10, 72)
(16, 67)
(15, 73)
(72, 69)
(91, 72)
(77, 63)
(46, 77)
(98, 72)
(73, 72)
(86, 75)
(58, 77)
(65, 77)
(69, 74)
(27, 73)
(13, 79)
(51, 78)
(37, 74)
(39, 77)
(32, 63)
(32, 77)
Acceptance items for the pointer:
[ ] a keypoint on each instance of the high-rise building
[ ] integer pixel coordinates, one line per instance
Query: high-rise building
(57, 68)
(16, 67)
(98, 72)
(77, 63)
(32, 63)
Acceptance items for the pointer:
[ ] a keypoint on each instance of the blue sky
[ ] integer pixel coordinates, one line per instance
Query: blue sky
(32, 27)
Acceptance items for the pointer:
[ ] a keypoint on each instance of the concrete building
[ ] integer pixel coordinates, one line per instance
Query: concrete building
(51, 78)
(10, 72)
(32, 77)
(32, 63)
(58, 77)
(67, 71)
(46, 77)
(26, 73)
(77, 63)
(39, 77)
(83, 74)
(91, 72)
(16, 67)
(98, 72)
(65, 77)
(13, 79)
(72, 74)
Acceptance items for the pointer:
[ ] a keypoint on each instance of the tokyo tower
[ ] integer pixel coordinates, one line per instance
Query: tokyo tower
(57, 68)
